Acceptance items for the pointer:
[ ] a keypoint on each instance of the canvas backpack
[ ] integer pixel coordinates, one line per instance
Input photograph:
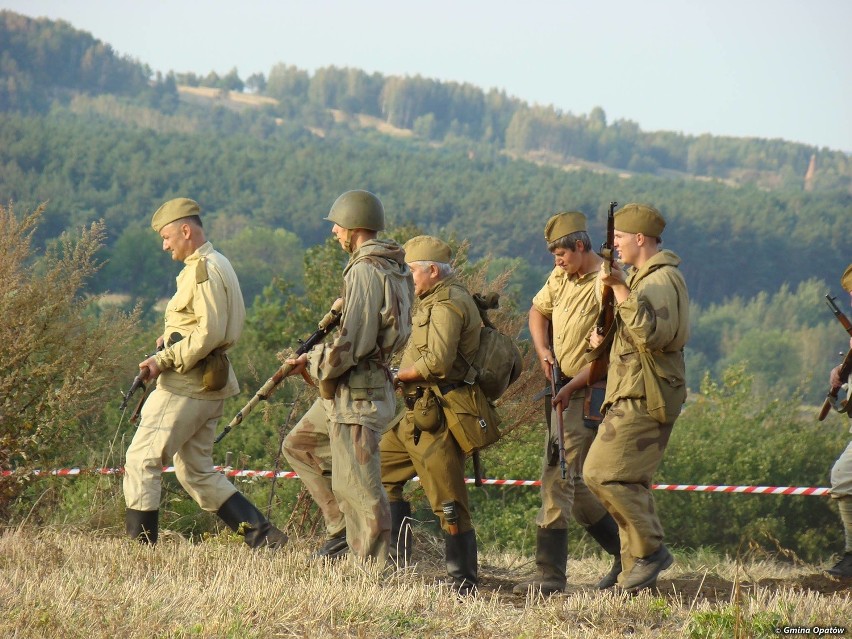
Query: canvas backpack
(498, 362)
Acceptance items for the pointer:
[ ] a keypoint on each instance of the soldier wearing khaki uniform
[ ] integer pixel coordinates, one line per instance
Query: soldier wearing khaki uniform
(567, 306)
(444, 339)
(841, 472)
(335, 446)
(203, 321)
(645, 390)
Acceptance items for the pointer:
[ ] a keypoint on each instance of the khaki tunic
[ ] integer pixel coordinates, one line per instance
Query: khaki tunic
(210, 315)
(178, 421)
(335, 446)
(572, 305)
(445, 336)
(645, 392)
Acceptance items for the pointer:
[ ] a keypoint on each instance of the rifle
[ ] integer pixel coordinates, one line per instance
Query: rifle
(326, 324)
(560, 425)
(843, 406)
(598, 366)
(838, 313)
(141, 378)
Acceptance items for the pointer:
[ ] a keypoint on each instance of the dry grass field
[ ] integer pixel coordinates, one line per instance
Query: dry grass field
(75, 584)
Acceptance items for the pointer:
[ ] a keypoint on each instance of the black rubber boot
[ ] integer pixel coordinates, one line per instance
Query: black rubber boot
(142, 525)
(401, 541)
(245, 519)
(843, 568)
(460, 553)
(551, 559)
(334, 548)
(605, 532)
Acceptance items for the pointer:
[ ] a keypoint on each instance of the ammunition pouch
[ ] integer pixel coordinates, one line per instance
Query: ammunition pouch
(368, 381)
(215, 371)
(592, 402)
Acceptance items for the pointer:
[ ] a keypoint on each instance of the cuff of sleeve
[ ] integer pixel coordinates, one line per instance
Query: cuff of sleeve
(165, 359)
(314, 360)
(422, 369)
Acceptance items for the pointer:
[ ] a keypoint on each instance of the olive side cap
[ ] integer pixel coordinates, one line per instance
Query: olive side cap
(173, 210)
(846, 279)
(563, 224)
(639, 218)
(425, 248)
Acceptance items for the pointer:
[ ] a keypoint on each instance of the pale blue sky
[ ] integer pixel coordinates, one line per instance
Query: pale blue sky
(757, 68)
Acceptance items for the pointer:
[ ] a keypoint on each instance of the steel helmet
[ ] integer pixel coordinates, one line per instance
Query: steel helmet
(358, 210)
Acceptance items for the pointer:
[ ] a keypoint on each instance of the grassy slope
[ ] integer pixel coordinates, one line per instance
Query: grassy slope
(66, 584)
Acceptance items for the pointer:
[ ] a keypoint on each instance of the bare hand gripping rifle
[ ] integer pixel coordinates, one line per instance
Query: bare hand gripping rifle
(842, 406)
(140, 379)
(326, 325)
(598, 366)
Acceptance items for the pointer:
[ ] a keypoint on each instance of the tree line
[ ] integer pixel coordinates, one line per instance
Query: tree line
(38, 57)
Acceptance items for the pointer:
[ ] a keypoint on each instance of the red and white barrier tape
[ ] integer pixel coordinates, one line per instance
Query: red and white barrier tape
(282, 474)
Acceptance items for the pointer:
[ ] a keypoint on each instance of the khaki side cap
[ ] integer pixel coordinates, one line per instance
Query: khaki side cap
(172, 210)
(846, 279)
(639, 218)
(425, 248)
(563, 224)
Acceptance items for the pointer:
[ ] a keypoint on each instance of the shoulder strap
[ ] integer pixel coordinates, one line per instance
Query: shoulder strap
(201, 274)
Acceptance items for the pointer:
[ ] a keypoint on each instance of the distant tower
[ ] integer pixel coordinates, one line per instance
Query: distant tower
(809, 176)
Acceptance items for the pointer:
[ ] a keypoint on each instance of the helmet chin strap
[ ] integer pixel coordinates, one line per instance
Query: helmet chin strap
(347, 243)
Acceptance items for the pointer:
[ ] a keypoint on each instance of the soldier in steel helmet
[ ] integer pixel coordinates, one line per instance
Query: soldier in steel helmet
(335, 446)
(444, 339)
(567, 307)
(645, 390)
(203, 321)
(841, 472)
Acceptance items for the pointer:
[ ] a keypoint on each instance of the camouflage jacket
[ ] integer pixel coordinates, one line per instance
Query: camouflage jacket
(207, 310)
(652, 326)
(376, 322)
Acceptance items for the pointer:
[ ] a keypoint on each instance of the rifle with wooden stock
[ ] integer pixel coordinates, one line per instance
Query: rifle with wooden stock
(326, 325)
(831, 401)
(598, 366)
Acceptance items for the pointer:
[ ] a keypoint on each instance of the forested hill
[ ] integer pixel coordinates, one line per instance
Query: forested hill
(81, 130)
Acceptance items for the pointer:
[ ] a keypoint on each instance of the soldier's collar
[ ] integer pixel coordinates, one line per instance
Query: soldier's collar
(202, 251)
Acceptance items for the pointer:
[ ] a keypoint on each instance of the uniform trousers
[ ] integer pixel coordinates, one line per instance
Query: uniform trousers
(560, 498)
(621, 462)
(339, 465)
(180, 429)
(436, 459)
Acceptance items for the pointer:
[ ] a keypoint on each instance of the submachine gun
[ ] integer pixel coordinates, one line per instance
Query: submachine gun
(555, 374)
(326, 325)
(140, 379)
(831, 399)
